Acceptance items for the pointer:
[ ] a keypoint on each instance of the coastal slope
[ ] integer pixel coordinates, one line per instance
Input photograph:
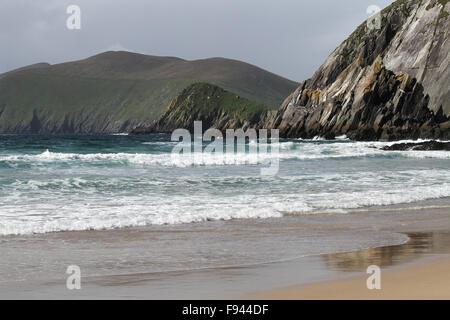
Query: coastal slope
(118, 91)
(214, 106)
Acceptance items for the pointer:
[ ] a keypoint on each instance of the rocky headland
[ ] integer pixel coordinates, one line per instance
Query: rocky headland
(389, 83)
(386, 83)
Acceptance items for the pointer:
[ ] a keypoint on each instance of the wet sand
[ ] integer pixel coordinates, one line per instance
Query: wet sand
(114, 262)
(416, 270)
(428, 280)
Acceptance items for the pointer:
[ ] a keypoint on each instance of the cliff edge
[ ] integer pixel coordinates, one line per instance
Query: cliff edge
(386, 83)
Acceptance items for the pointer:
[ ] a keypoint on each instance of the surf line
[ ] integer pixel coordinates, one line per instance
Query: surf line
(235, 143)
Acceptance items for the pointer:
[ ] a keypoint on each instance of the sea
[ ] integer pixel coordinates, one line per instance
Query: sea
(93, 182)
(102, 190)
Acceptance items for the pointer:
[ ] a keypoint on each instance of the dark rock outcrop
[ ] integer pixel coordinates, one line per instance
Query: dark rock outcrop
(421, 146)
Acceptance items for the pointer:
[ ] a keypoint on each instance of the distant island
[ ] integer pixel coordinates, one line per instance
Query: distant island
(117, 91)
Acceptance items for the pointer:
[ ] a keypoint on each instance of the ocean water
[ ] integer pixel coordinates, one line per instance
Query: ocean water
(101, 182)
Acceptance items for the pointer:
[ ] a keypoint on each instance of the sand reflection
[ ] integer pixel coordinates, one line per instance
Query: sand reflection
(420, 244)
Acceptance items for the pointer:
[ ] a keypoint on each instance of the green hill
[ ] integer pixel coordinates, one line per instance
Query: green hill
(117, 91)
(214, 106)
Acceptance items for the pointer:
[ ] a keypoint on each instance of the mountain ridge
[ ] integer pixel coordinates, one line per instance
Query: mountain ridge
(125, 65)
(118, 91)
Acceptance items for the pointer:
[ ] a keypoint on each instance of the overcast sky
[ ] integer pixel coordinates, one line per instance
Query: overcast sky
(288, 37)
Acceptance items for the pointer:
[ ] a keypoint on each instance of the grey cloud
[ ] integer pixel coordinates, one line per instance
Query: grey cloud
(288, 37)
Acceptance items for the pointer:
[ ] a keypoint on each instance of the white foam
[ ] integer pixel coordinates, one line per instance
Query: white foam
(288, 145)
(77, 204)
(287, 150)
(94, 214)
(89, 198)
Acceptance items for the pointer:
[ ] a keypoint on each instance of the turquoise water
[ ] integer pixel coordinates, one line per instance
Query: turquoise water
(61, 183)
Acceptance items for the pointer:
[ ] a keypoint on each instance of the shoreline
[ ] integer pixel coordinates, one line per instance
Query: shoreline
(433, 204)
(428, 232)
(423, 279)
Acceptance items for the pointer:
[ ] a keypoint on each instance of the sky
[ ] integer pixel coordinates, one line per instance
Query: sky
(291, 38)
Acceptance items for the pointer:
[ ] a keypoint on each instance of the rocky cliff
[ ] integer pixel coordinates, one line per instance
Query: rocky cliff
(388, 83)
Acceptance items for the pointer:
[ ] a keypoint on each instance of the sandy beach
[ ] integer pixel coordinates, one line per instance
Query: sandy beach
(414, 268)
(422, 281)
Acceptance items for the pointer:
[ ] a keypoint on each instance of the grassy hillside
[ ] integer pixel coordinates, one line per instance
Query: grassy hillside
(242, 78)
(31, 66)
(116, 91)
(81, 105)
(214, 106)
(208, 101)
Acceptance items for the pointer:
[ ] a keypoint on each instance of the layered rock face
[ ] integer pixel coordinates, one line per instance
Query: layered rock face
(386, 83)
